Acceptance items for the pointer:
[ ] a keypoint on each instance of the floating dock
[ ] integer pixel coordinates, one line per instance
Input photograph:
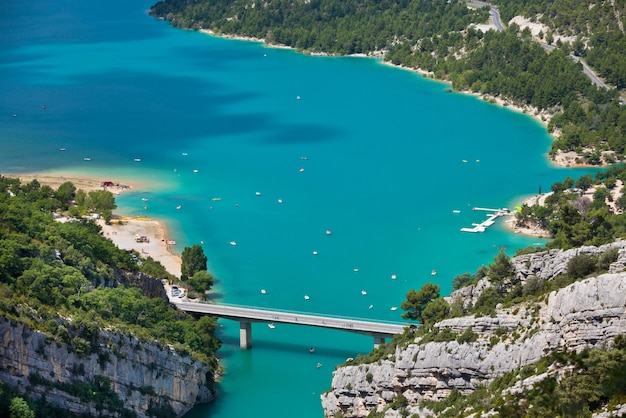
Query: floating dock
(492, 216)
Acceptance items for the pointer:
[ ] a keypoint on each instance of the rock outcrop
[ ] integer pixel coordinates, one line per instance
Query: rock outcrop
(589, 313)
(545, 265)
(143, 376)
(150, 286)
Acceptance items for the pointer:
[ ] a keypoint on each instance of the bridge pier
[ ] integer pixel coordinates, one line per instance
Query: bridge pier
(245, 335)
(378, 340)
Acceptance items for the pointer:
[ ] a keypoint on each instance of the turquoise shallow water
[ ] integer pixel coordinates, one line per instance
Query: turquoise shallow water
(384, 172)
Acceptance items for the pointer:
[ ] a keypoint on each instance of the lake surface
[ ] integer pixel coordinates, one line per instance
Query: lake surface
(227, 130)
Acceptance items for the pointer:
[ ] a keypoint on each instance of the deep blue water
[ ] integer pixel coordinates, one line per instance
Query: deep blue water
(385, 169)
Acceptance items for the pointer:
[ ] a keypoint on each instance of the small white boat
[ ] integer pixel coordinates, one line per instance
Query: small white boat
(456, 211)
(371, 306)
(137, 160)
(304, 158)
(328, 232)
(297, 97)
(184, 154)
(393, 308)
(263, 291)
(394, 277)
(306, 297)
(314, 252)
(356, 270)
(87, 159)
(271, 325)
(61, 149)
(144, 199)
(301, 170)
(178, 207)
(433, 272)
(363, 292)
(233, 243)
(280, 200)
(195, 170)
(258, 193)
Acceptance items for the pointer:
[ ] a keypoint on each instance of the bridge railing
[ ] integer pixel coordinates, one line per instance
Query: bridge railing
(306, 313)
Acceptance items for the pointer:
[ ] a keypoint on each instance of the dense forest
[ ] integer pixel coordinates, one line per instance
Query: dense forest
(439, 36)
(60, 278)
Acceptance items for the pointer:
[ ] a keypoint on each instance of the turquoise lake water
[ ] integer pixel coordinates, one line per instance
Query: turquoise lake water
(384, 171)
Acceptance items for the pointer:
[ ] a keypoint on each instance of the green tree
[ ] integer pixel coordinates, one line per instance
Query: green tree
(584, 182)
(193, 260)
(201, 281)
(435, 311)
(20, 409)
(65, 194)
(416, 301)
(461, 281)
(502, 268)
(100, 201)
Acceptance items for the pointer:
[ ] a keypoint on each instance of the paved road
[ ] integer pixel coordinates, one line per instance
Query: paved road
(497, 22)
(493, 11)
(239, 313)
(586, 70)
(589, 73)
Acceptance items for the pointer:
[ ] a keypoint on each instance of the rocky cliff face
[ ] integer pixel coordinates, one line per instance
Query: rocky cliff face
(144, 376)
(589, 313)
(544, 265)
(150, 286)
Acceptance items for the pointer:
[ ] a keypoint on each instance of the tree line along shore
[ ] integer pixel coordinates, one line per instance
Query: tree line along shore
(534, 73)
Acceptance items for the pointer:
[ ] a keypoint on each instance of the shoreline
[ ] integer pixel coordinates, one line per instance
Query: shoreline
(122, 235)
(560, 159)
(531, 231)
(87, 183)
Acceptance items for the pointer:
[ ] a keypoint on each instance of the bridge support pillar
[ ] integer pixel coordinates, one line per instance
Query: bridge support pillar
(245, 335)
(378, 340)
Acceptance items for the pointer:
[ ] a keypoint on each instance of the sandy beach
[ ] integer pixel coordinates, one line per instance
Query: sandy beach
(127, 234)
(85, 183)
(124, 233)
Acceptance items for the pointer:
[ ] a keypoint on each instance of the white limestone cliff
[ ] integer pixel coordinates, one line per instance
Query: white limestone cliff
(589, 313)
(142, 374)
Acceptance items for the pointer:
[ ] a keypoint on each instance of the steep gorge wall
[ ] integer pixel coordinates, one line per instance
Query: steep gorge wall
(589, 313)
(142, 374)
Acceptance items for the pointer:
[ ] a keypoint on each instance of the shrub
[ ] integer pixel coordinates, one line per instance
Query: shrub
(399, 402)
(468, 336)
(533, 286)
(606, 258)
(581, 265)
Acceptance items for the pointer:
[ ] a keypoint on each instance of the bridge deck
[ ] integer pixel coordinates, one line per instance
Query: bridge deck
(240, 313)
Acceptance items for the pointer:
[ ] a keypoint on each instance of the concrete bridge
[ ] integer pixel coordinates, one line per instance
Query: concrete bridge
(247, 315)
